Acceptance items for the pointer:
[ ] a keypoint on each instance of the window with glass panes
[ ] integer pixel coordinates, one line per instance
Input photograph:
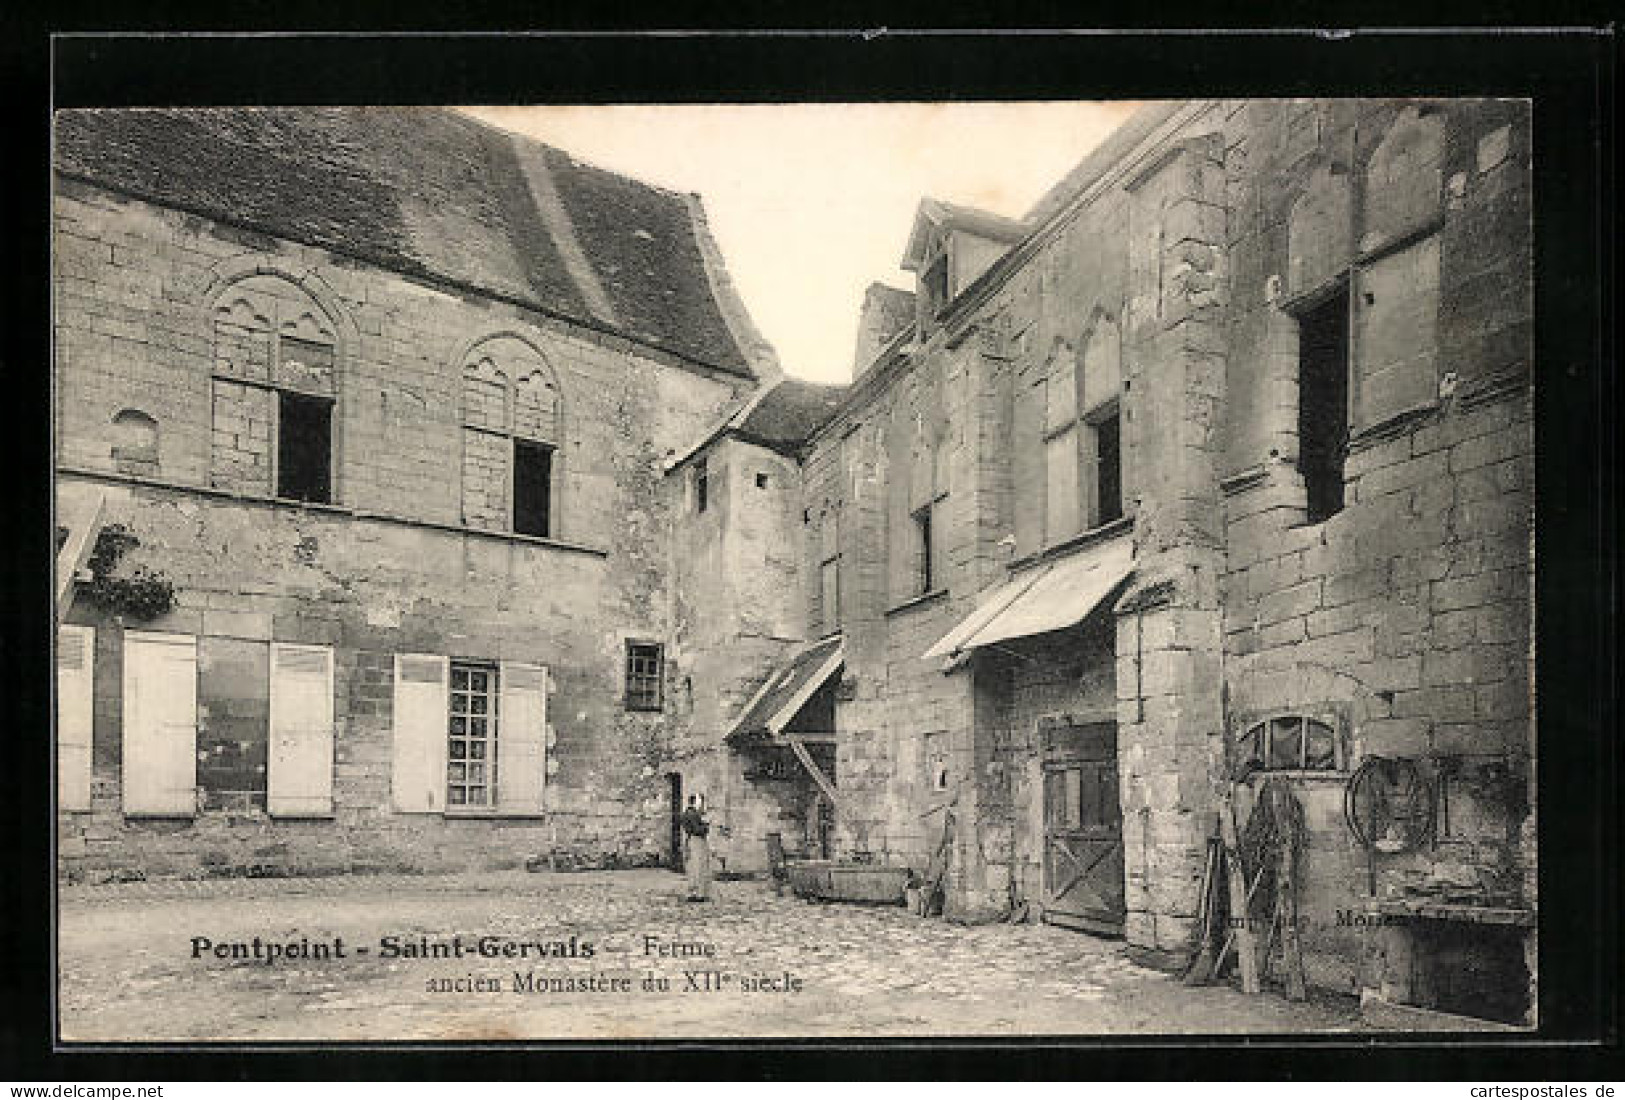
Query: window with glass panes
(471, 747)
(644, 670)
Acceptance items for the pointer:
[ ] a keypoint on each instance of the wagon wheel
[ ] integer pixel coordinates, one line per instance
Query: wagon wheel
(1389, 807)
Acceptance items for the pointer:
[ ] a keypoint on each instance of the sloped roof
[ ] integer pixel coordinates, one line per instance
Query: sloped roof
(790, 412)
(786, 691)
(1133, 130)
(428, 192)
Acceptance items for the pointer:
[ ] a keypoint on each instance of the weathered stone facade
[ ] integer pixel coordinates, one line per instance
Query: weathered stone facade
(160, 310)
(1261, 369)
(1190, 247)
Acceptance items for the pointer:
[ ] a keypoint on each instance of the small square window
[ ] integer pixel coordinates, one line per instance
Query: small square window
(761, 481)
(645, 672)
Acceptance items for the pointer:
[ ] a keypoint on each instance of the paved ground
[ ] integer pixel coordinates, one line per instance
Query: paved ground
(127, 971)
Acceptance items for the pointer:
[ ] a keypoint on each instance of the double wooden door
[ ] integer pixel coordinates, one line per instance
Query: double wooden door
(1083, 827)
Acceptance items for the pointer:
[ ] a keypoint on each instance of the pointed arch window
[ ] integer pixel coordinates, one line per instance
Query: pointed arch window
(274, 391)
(512, 428)
(1082, 435)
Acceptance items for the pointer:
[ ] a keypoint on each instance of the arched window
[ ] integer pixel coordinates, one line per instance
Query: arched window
(512, 429)
(1294, 742)
(135, 441)
(274, 389)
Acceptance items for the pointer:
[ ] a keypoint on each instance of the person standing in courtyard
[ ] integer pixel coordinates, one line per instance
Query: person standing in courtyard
(697, 858)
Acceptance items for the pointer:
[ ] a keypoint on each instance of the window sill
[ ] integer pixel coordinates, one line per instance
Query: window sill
(1296, 775)
(487, 814)
(1391, 427)
(1087, 538)
(917, 601)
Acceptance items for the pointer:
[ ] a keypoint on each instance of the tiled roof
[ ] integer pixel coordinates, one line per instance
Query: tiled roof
(789, 413)
(428, 192)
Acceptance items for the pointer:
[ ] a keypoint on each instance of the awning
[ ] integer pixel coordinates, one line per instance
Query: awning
(778, 701)
(79, 521)
(1047, 597)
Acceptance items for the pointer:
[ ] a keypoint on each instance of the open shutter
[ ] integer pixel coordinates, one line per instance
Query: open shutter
(418, 769)
(159, 771)
(300, 778)
(75, 657)
(522, 739)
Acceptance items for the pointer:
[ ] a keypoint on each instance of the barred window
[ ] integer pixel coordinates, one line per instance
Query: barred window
(1289, 743)
(645, 670)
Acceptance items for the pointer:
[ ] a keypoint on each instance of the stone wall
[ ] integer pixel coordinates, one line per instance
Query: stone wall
(738, 610)
(1407, 613)
(389, 566)
(1404, 617)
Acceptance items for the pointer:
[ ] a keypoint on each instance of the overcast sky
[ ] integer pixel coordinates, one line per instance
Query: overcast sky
(810, 203)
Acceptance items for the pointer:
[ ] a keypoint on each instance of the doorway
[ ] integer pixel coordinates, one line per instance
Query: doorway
(1083, 828)
(674, 781)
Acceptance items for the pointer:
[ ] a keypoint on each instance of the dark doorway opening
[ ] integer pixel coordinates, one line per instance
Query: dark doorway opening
(304, 456)
(1323, 390)
(675, 782)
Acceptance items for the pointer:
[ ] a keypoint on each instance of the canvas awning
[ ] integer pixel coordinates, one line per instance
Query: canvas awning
(1048, 597)
(781, 698)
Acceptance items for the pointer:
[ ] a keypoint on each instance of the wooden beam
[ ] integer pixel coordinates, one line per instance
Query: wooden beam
(813, 769)
(1246, 945)
(812, 737)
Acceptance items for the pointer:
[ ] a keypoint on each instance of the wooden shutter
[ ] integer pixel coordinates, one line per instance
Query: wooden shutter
(1396, 333)
(418, 768)
(159, 771)
(75, 662)
(299, 781)
(522, 738)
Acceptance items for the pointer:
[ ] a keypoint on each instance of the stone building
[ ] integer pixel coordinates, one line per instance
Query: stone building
(385, 396)
(1214, 469)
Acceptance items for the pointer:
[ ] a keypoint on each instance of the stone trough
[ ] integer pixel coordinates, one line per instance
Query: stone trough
(827, 880)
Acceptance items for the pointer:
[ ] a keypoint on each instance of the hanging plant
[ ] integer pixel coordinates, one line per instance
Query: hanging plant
(141, 595)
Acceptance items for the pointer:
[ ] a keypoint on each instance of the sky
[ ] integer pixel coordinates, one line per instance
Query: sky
(810, 203)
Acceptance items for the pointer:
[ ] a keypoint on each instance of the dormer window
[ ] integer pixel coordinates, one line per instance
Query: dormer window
(950, 248)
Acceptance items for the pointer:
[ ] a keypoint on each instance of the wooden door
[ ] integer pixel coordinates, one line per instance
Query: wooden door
(674, 784)
(1083, 828)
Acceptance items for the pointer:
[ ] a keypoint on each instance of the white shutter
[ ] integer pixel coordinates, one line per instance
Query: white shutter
(75, 662)
(159, 773)
(418, 767)
(522, 738)
(299, 781)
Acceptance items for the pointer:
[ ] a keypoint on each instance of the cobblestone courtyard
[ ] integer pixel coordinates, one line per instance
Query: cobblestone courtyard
(128, 972)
